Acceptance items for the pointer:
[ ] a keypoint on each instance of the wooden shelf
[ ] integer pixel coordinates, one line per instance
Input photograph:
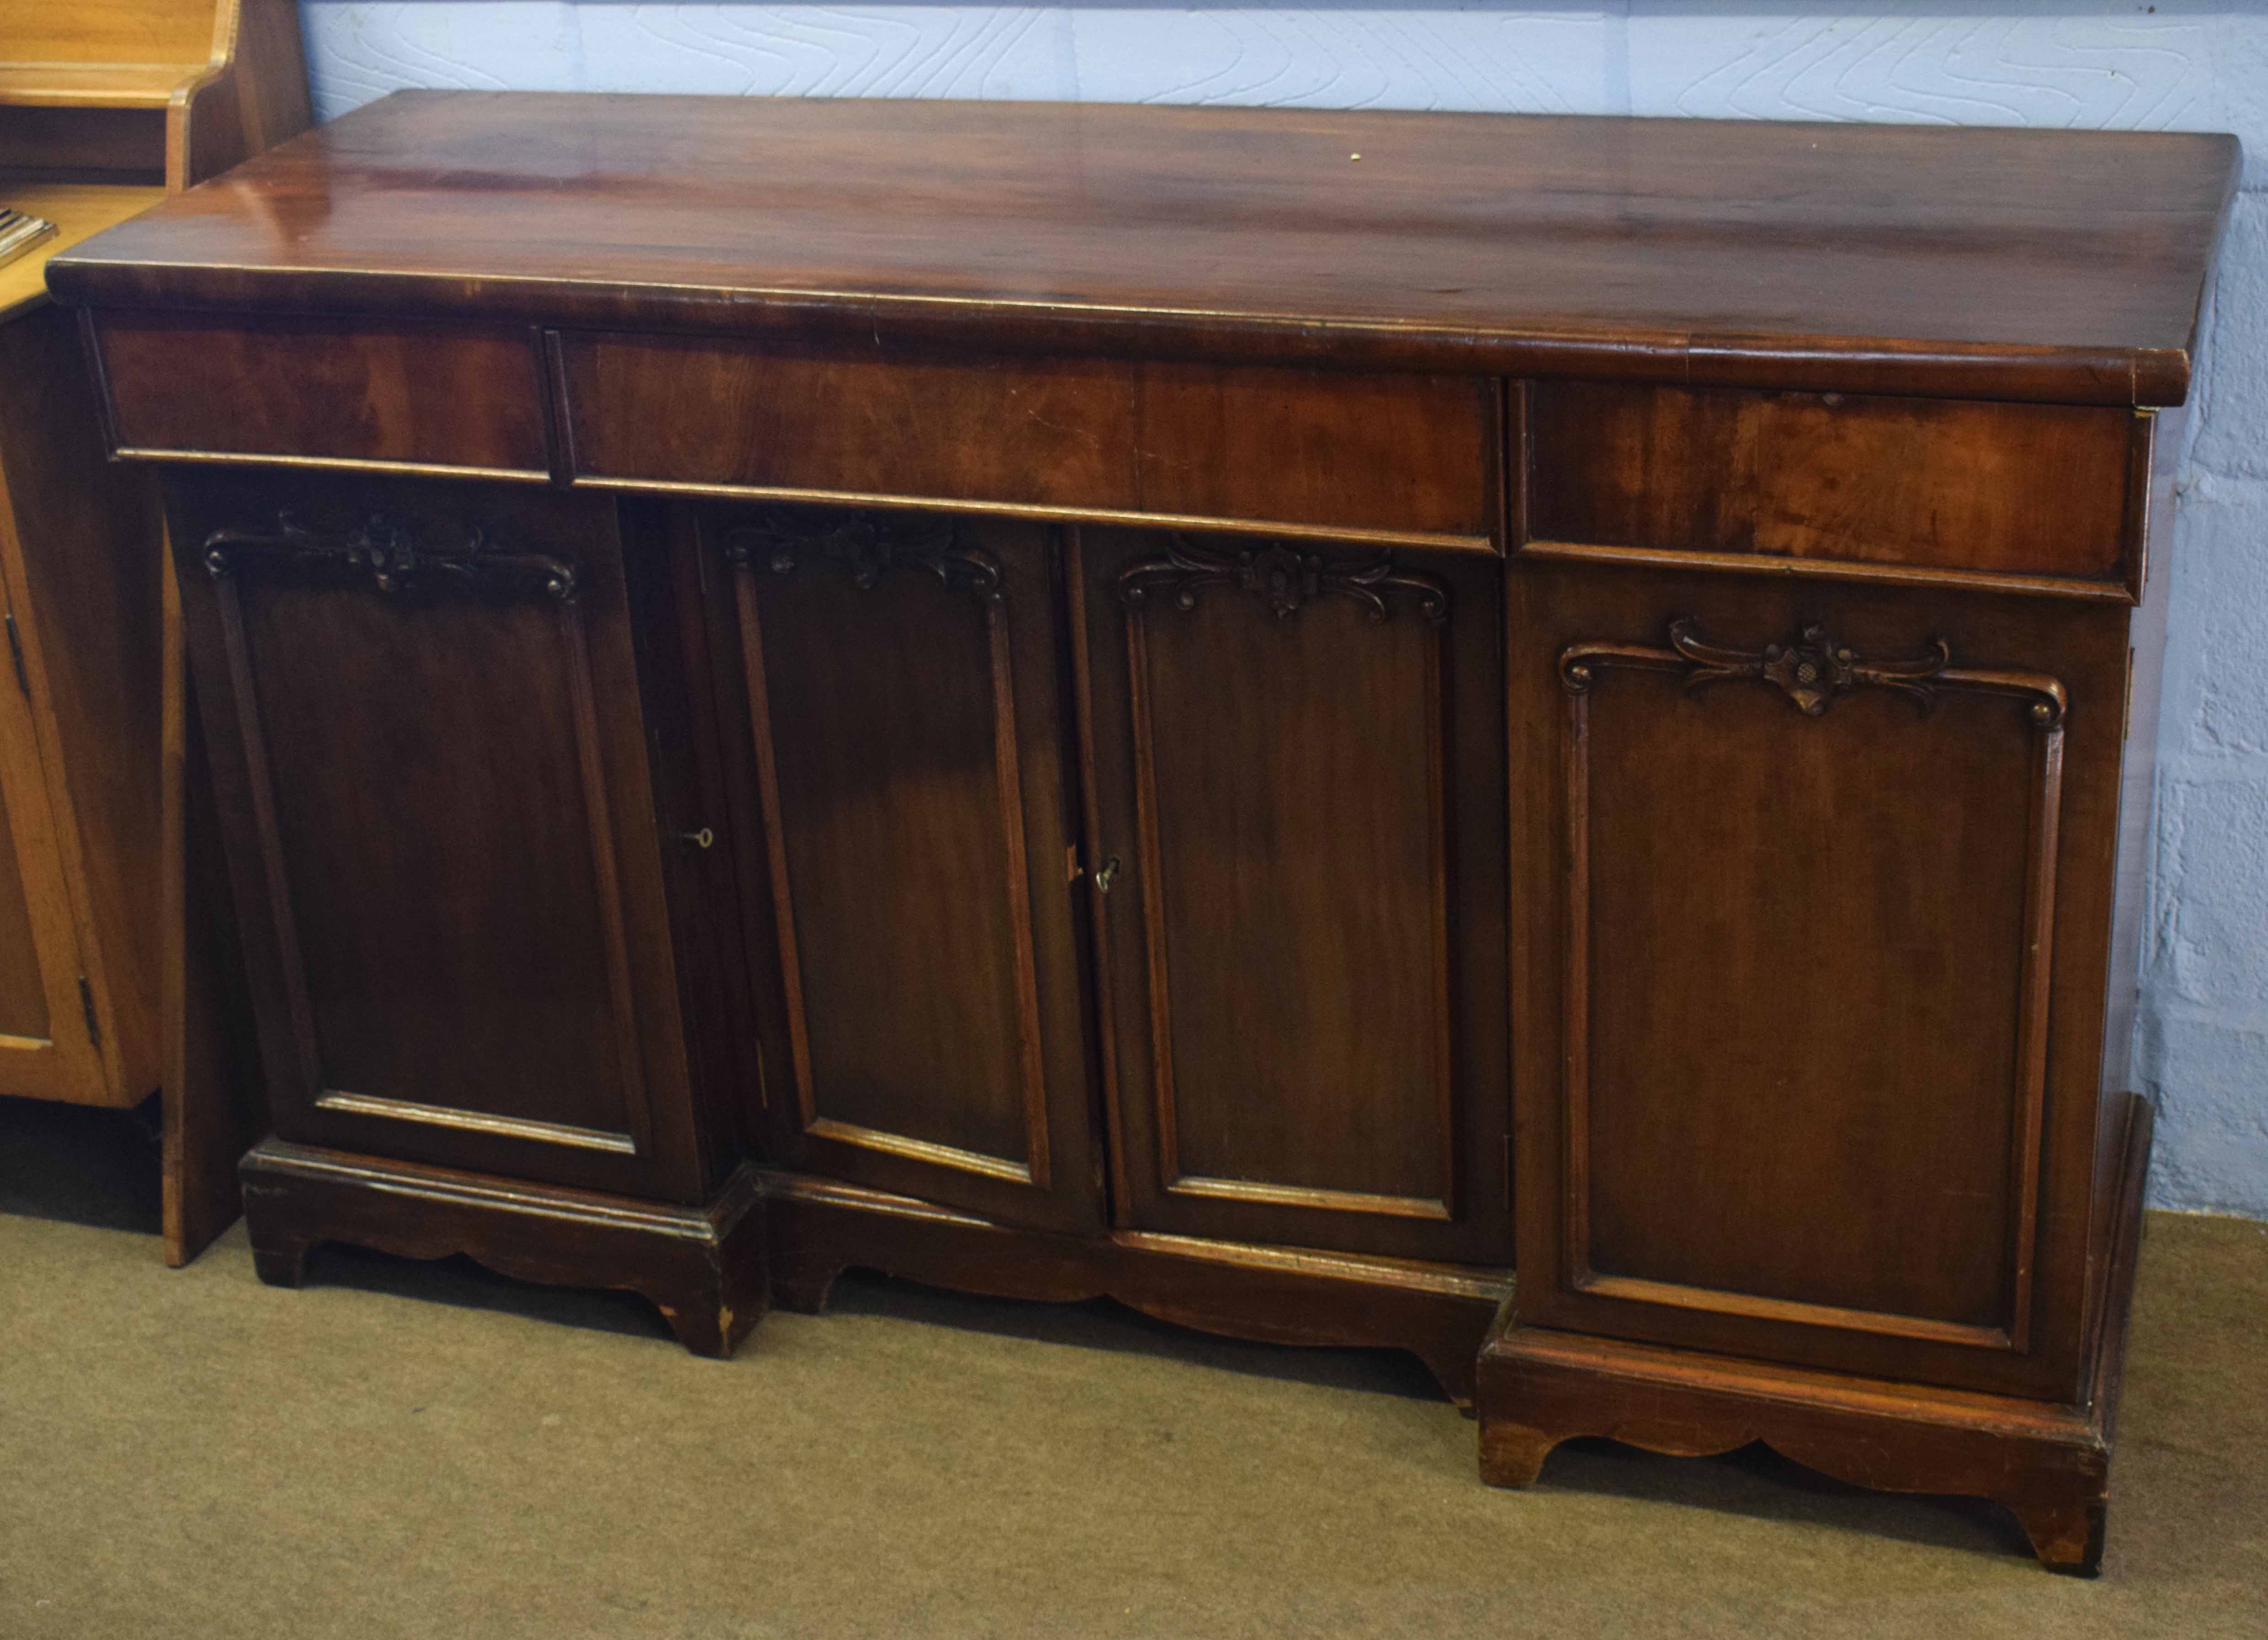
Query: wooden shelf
(134, 90)
(96, 84)
(79, 211)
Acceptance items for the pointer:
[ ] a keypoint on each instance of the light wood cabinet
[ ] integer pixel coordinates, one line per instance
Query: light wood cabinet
(116, 972)
(79, 749)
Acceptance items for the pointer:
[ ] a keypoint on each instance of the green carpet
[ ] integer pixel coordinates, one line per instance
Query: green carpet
(403, 1449)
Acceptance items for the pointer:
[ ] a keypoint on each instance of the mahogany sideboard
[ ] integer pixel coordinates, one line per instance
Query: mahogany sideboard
(1273, 714)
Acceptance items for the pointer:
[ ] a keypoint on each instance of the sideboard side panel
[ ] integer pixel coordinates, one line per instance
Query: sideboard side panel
(2156, 450)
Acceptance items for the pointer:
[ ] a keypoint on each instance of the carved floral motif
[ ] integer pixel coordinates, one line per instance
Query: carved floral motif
(867, 547)
(1812, 670)
(1284, 576)
(391, 554)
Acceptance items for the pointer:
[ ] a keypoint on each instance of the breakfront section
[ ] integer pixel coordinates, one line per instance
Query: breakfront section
(1143, 886)
(1816, 861)
(430, 746)
(1821, 1115)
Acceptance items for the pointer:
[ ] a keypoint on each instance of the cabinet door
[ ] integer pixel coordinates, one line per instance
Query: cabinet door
(79, 733)
(1818, 885)
(78, 718)
(423, 711)
(891, 689)
(48, 1039)
(1299, 767)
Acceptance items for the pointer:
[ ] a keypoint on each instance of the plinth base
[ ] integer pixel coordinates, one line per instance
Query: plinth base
(703, 1268)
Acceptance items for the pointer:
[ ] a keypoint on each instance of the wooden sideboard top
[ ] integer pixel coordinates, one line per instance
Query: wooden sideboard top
(1986, 263)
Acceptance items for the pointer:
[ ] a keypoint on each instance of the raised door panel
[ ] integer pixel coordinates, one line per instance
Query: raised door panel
(1299, 779)
(23, 988)
(898, 743)
(47, 1050)
(49, 1046)
(83, 644)
(1814, 864)
(424, 717)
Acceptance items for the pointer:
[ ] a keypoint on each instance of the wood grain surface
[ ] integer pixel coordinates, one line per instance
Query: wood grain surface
(2058, 265)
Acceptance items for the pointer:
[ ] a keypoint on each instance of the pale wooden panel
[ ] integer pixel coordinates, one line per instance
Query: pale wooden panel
(79, 210)
(109, 31)
(23, 993)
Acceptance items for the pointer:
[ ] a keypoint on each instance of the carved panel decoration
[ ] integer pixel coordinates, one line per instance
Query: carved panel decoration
(1285, 577)
(867, 547)
(401, 560)
(1813, 672)
(391, 554)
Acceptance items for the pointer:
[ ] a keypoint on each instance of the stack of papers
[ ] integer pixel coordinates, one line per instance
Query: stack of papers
(19, 233)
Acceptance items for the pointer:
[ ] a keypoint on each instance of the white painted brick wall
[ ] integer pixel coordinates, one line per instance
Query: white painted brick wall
(2203, 1050)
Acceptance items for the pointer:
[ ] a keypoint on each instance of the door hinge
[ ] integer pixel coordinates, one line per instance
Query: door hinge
(86, 1005)
(16, 656)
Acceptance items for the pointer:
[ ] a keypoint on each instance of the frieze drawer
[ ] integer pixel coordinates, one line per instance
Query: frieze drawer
(465, 400)
(1865, 487)
(1296, 451)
